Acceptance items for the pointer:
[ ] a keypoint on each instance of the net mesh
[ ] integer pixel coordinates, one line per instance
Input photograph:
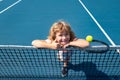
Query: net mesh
(27, 61)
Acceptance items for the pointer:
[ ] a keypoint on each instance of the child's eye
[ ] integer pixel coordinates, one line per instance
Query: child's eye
(66, 34)
(60, 35)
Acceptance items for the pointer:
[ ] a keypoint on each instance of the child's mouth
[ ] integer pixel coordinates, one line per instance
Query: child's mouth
(64, 41)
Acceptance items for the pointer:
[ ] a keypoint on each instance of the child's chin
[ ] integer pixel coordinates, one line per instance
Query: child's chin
(64, 43)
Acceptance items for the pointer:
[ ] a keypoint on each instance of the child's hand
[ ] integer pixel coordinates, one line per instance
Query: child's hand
(55, 45)
(65, 46)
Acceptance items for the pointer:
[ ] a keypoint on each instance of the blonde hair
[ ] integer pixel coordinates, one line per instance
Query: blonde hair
(59, 27)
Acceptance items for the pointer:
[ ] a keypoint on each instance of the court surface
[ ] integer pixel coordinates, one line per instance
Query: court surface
(22, 21)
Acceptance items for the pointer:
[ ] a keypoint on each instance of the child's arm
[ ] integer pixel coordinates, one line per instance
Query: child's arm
(44, 44)
(79, 43)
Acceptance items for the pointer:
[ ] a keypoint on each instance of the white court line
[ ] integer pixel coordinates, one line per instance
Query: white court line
(100, 27)
(1, 0)
(10, 6)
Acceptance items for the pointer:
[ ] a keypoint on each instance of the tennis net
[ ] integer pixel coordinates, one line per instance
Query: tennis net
(27, 61)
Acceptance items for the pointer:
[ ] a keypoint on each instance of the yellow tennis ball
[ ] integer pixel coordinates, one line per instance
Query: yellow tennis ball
(89, 38)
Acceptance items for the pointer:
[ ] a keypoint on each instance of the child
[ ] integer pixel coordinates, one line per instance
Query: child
(61, 36)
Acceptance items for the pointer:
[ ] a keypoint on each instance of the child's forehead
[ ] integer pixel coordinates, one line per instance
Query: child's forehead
(62, 32)
(62, 29)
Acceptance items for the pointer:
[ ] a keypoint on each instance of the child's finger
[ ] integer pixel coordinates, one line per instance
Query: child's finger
(55, 41)
(67, 45)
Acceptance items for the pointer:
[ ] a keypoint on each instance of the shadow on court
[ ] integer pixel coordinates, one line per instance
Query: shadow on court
(90, 70)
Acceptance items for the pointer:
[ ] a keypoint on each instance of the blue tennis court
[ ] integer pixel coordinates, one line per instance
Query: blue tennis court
(22, 21)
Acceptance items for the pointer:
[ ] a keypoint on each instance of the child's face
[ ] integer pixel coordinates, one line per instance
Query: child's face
(62, 37)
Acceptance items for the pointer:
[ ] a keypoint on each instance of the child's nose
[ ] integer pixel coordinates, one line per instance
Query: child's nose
(64, 37)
